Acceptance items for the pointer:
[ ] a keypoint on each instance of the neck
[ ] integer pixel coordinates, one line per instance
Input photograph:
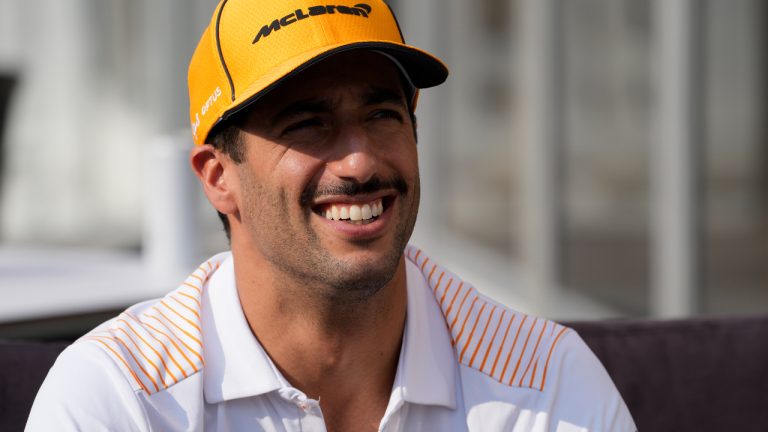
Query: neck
(332, 350)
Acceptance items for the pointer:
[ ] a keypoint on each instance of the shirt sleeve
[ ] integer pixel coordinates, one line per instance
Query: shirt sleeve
(86, 390)
(594, 403)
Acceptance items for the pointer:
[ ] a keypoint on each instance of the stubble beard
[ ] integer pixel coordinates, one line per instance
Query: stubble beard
(294, 248)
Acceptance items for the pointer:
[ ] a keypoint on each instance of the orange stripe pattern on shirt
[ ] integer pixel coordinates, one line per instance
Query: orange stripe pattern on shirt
(516, 348)
(162, 345)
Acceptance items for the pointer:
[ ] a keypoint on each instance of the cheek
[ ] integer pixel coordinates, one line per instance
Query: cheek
(407, 161)
(254, 196)
(295, 174)
(399, 148)
(298, 166)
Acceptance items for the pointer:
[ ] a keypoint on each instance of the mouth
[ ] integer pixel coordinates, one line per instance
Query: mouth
(358, 213)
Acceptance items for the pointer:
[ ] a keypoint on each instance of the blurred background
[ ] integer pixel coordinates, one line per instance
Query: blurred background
(586, 158)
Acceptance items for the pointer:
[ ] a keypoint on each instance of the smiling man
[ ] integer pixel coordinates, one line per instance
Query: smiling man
(321, 317)
(325, 194)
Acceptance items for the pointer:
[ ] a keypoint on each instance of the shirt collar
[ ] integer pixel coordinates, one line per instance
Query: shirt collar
(426, 372)
(237, 366)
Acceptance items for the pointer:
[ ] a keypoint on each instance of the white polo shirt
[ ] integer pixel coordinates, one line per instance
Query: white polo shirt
(189, 362)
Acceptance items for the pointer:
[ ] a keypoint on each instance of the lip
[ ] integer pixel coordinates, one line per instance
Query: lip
(354, 232)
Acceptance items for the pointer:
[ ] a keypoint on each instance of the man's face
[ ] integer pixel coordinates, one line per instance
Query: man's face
(324, 153)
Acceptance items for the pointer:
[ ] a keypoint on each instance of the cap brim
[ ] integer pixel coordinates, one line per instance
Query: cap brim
(423, 69)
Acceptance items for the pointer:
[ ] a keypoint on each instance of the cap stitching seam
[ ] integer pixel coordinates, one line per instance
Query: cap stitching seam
(221, 53)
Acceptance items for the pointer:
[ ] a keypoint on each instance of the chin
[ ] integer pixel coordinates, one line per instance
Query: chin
(361, 277)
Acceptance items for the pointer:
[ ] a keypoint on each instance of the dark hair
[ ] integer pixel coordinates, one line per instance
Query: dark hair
(226, 137)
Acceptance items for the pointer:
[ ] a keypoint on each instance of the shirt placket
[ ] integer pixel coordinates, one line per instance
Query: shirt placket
(310, 417)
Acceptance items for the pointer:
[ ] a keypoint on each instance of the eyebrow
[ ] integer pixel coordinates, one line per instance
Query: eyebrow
(314, 106)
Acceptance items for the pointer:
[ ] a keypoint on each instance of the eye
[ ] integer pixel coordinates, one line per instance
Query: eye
(387, 114)
(305, 124)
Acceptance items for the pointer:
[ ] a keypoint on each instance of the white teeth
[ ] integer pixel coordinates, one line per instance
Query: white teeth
(355, 213)
(366, 209)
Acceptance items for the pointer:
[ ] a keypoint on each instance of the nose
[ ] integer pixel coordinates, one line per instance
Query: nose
(354, 156)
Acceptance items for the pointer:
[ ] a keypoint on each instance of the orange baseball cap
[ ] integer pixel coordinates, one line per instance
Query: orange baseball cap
(251, 46)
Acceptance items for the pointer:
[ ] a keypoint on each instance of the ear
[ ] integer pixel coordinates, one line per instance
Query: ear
(216, 172)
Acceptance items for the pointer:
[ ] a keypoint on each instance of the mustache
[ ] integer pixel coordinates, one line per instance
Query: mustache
(351, 188)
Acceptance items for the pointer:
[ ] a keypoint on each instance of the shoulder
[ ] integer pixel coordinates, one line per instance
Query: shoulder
(505, 345)
(577, 371)
(107, 377)
(157, 343)
(84, 390)
(513, 364)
